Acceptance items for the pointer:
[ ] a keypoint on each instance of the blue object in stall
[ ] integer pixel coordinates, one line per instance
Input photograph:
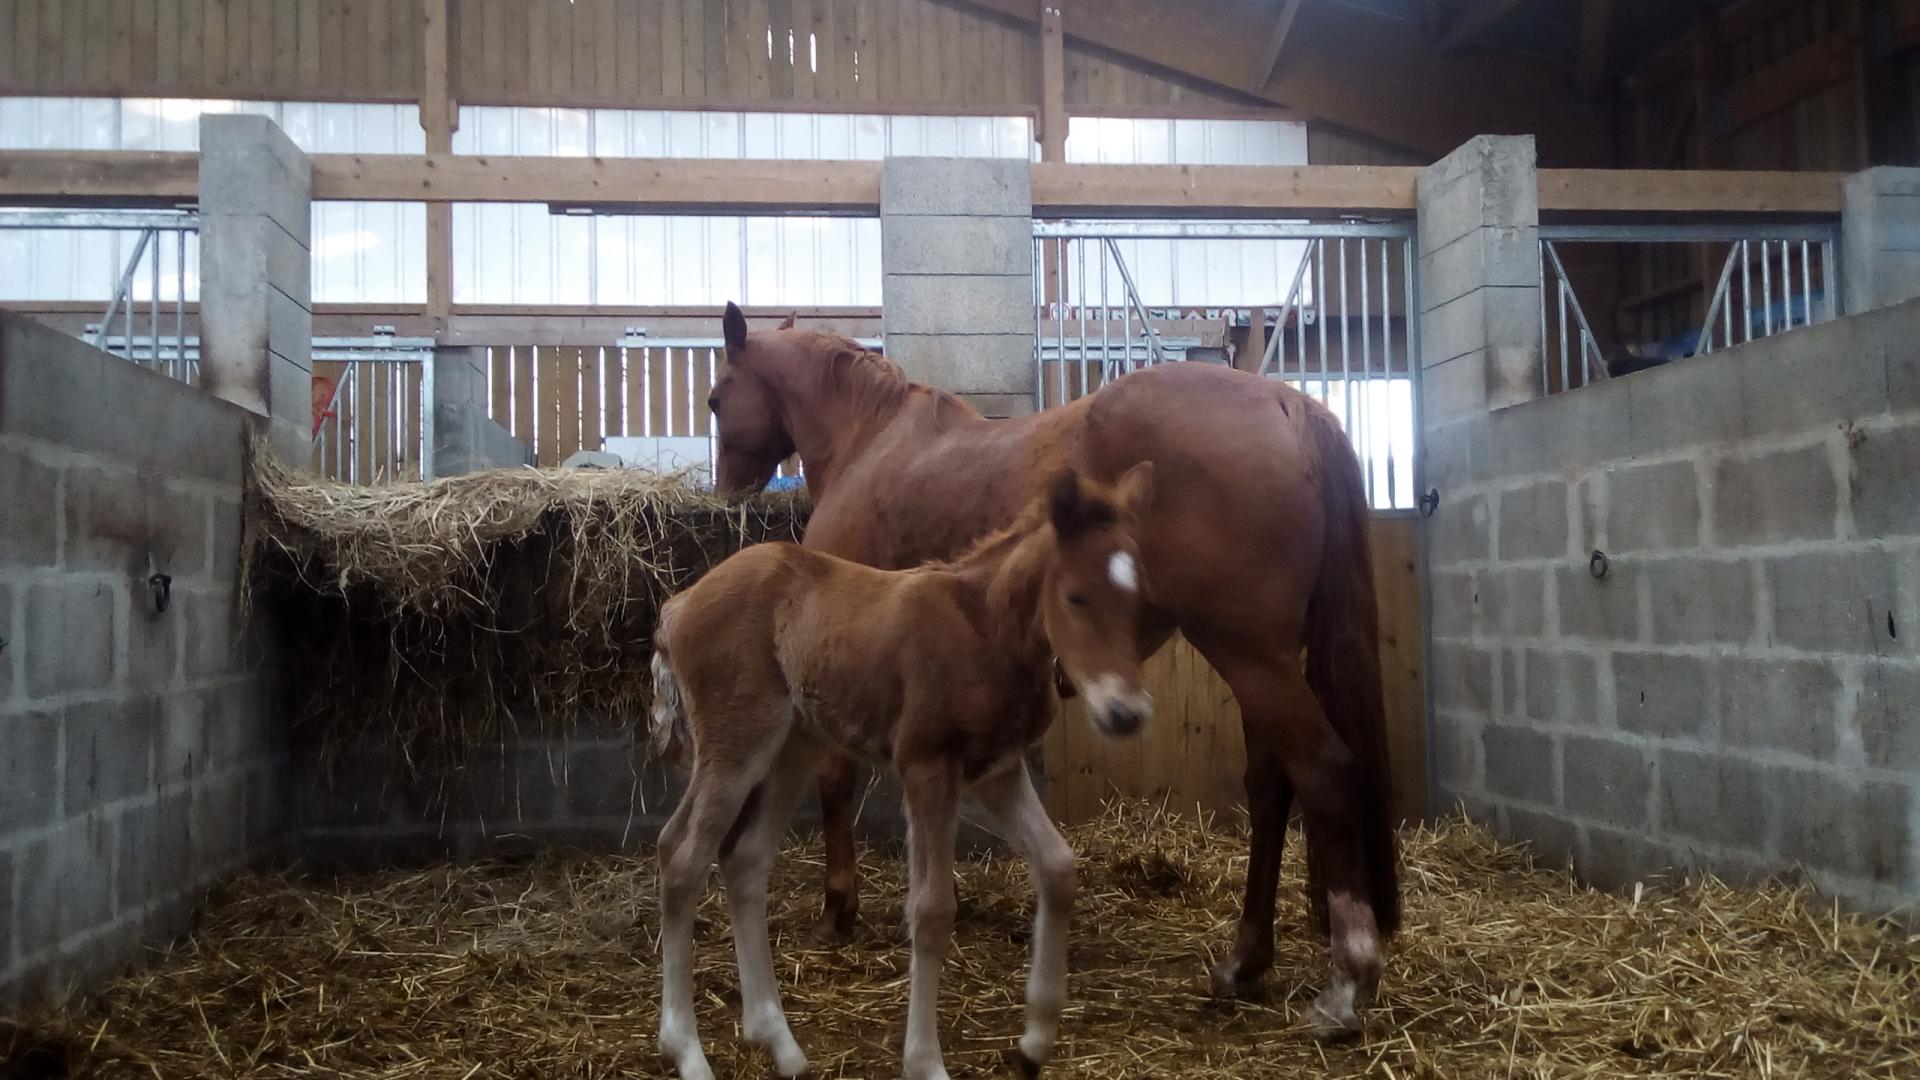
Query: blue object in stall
(786, 483)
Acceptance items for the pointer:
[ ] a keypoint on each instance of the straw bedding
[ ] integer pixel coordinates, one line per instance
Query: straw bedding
(433, 620)
(547, 969)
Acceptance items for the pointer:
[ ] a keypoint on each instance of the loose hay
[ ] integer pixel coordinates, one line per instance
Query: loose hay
(433, 620)
(549, 970)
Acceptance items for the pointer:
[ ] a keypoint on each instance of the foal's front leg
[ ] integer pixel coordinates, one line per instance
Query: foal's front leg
(932, 803)
(1010, 798)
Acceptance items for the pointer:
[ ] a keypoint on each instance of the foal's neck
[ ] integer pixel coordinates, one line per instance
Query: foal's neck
(1009, 569)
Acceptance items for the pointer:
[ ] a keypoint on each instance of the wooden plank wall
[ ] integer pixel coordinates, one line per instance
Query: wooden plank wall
(821, 55)
(562, 399)
(374, 434)
(1191, 754)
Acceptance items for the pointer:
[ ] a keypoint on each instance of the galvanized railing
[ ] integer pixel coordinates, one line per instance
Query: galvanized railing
(1341, 332)
(373, 408)
(1793, 266)
(144, 337)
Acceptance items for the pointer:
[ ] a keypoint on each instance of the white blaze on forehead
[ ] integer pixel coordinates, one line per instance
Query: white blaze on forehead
(1123, 572)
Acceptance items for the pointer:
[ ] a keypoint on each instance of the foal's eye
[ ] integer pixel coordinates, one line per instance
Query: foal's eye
(713, 404)
(1078, 599)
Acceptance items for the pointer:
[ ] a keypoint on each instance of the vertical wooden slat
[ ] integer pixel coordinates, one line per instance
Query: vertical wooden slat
(568, 401)
(714, 39)
(1053, 92)
(403, 49)
(546, 389)
(909, 63)
(489, 69)
(846, 23)
(580, 23)
(512, 69)
(500, 385)
(286, 46)
(693, 47)
(973, 59)
(636, 393)
(26, 43)
(739, 78)
(141, 46)
(702, 389)
(250, 44)
(605, 41)
(379, 44)
(539, 54)
(98, 42)
(307, 43)
(818, 17)
(780, 73)
(867, 38)
(658, 414)
(632, 50)
(671, 46)
(520, 365)
(612, 392)
(332, 24)
(759, 50)
(591, 381)
(187, 20)
(72, 19)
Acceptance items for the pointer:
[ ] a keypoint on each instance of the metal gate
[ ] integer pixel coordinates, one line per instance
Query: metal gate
(1343, 328)
(372, 408)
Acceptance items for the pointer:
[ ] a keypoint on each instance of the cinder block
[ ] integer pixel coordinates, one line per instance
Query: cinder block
(207, 622)
(153, 642)
(1458, 453)
(1463, 677)
(959, 305)
(1607, 780)
(1886, 493)
(1461, 531)
(1702, 600)
(1834, 600)
(109, 751)
(1550, 837)
(10, 650)
(1521, 764)
(1653, 507)
(1886, 714)
(1716, 798)
(116, 518)
(64, 884)
(30, 770)
(930, 244)
(1453, 389)
(1777, 497)
(183, 740)
(977, 363)
(68, 642)
(1514, 601)
(223, 542)
(603, 779)
(1611, 859)
(1562, 687)
(1454, 604)
(1663, 694)
(948, 186)
(1457, 752)
(249, 166)
(266, 797)
(1502, 256)
(217, 813)
(7, 919)
(1829, 821)
(1903, 365)
(1816, 377)
(1601, 609)
(1685, 404)
(1534, 522)
(1490, 179)
(30, 491)
(1780, 704)
(154, 851)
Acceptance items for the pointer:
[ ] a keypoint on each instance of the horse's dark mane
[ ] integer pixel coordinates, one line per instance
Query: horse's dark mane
(867, 377)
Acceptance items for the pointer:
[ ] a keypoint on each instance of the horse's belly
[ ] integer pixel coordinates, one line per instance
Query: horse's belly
(856, 727)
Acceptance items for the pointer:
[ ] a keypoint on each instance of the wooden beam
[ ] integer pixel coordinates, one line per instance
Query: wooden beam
(734, 185)
(1477, 19)
(1409, 97)
(1596, 26)
(439, 116)
(1053, 82)
(1276, 44)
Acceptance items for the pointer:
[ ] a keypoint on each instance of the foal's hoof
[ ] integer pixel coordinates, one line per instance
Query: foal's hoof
(1332, 1016)
(1231, 979)
(1028, 1067)
(834, 928)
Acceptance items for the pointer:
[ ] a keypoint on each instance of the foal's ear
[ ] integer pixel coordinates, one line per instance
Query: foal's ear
(1135, 491)
(787, 323)
(1066, 505)
(734, 327)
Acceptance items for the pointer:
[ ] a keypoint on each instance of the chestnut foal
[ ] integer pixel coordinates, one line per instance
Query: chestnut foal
(946, 673)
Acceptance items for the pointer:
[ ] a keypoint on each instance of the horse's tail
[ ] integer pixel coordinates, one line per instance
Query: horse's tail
(668, 734)
(1343, 663)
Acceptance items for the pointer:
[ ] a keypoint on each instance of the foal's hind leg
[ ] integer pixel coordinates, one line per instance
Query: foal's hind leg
(715, 794)
(745, 868)
(932, 803)
(837, 778)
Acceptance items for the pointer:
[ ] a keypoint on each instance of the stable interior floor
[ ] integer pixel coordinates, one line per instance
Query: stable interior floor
(548, 969)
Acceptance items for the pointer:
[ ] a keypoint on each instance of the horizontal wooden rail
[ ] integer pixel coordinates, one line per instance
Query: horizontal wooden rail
(706, 185)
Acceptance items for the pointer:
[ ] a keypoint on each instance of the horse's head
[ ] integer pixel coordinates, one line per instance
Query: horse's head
(752, 436)
(1093, 602)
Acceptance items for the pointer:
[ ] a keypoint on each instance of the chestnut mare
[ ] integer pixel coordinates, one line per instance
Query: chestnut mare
(1254, 547)
(946, 674)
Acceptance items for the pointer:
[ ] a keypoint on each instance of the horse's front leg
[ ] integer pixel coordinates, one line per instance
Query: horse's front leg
(842, 909)
(1010, 798)
(932, 804)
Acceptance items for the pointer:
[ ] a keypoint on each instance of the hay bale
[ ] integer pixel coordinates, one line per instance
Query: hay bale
(435, 620)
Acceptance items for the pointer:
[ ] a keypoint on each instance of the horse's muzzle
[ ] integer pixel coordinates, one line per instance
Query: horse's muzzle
(1123, 719)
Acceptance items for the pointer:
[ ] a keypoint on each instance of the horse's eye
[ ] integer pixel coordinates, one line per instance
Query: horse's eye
(1078, 599)
(713, 403)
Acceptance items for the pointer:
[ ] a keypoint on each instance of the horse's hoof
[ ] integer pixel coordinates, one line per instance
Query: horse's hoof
(832, 929)
(1228, 980)
(1028, 1067)
(1332, 1016)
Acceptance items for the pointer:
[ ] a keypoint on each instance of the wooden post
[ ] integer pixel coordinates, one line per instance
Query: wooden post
(1053, 128)
(439, 116)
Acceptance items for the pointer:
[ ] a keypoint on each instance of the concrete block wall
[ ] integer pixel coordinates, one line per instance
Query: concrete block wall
(956, 255)
(465, 438)
(138, 762)
(1740, 692)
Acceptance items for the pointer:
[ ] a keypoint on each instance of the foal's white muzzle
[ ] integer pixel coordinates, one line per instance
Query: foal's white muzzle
(1115, 709)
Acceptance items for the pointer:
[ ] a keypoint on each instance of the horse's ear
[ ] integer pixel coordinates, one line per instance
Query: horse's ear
(734, 327)
(1136, 490)
(1066, 505)
(787, 323)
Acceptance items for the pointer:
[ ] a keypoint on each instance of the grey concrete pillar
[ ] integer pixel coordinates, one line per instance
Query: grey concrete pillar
(956, 255)
(1880, 239)
(1480, 338)
(465, 438)
(256, 303)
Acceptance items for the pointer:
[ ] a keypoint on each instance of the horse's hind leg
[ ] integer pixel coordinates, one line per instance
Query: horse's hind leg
(932, 803)
(691, 840)
(1269, 801)
(837, 778)
(1010, 798)
(1324, 778)
(745, 868)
